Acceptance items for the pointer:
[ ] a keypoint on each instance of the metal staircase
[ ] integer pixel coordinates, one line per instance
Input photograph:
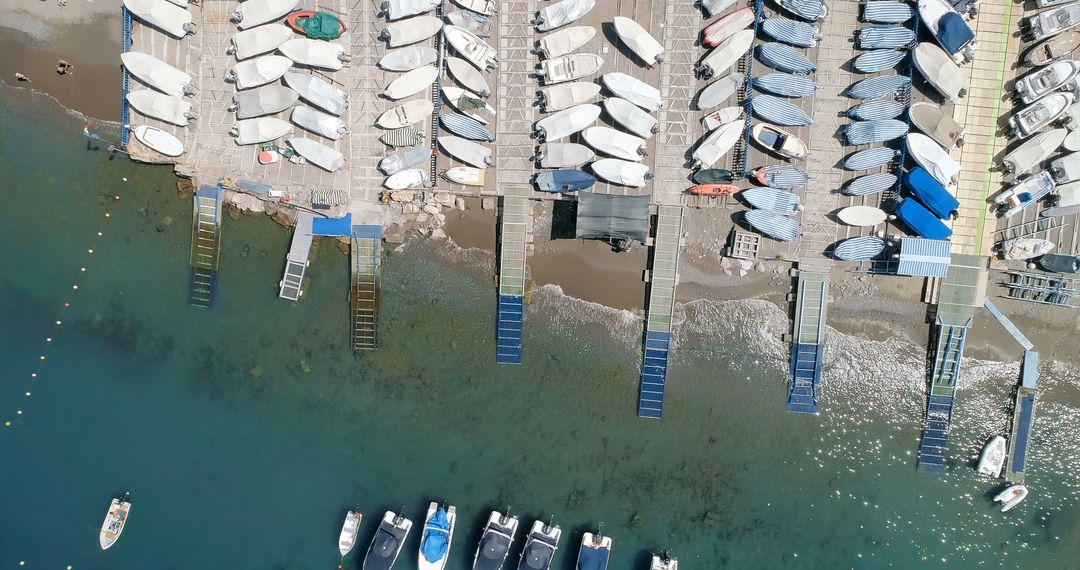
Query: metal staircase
(366, 246)
(205, 247)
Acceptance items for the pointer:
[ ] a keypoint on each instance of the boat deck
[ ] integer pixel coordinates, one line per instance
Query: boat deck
(663, 278)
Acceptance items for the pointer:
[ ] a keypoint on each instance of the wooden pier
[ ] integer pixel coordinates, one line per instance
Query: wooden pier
(205, 246)
(515, 225)
(366, 253)
(663, 278)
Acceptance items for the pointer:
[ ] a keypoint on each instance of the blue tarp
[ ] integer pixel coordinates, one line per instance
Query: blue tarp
(436, 540)
(930, 193)
(921, 221)
(953, 32)
(592, 558)
(336, 227)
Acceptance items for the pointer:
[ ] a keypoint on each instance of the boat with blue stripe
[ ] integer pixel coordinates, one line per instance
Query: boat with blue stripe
(869, 158)
(878, 60)
(870, 132)
(879, 87)
(774, 225)
(862, 248)
(812, 10)
(798, 34)
(879, 37)
(785, 84)
(782, 176)
(887, 12)
(868, 184)
(772, 200)
(465, 126)
(564, 180)
(783, 57)
(877, 110)
(921, 221)
(779, 112)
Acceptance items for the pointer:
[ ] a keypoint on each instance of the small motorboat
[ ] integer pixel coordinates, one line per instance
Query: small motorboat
(410, 31)
(569, 67)
(318, 122)
(632, 117)
(1065, 169)
(869, 184)
(468, 103)
(259, 40)
(920, 221)
(1011, 497)
(265, 100)
(466, 175)
(716, 144)
(1037, 84)
(318, 154)
(713, 176)
(778, 141)
(879, 59)
(724, 55)
(721, 117)
(467, 127)
(798, 34)
(862, 216)
(880, 87)
(1021, 249)
(1034, 117)
(408, 113)
(260, 130)
(563, 180)
(562, 155)
(1033, 151)
(559, 97)
(315, 24)
(932, 120)
(869, 158)
(933, 158)
(495, 541)
(595, 552)
(714, 190)
(725, 27)
(812, 10)
(1050, 22)
(877, 110)
(158, 140)
(639, 41)
(615, 143)
(1052, 48)
(398, 9)
(784, 58)
(870, 132)
(566, 122)
(475, 50)
(772, 224)
(157, 74)
(862, 248)
(317, 91)
(562, 13)
(930, 193)
(165, 16)
(781, 176)
(403, 137)
(779, 111)
(564, 42)
(115, 519)
(407, 179)
(403, 160)
(349, 530)
(719, 91)
(887, 12)
(386, 545)
(773, 200)
(408, 58)
(540, 546)
(949, 29)
(1023, 193)
(475, 23)
(663, 561)
(412, 82)
(622, 172)
(884, 37)
(784, 84)
(468, 76)
(482, 7)
(173, 110)
(1060, 263)
(257, 12)
(633, 90)
(315, 53)
(258, 71)
(940, 71)
(467, 151)
(438, 536)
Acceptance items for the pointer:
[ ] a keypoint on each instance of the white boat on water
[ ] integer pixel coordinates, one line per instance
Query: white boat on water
(410, 31)
(664, 561)
(566, 95)
(632, 117)
(566, 122)
(262, 129)
(387, 543)
(265, 100)
(437, 538)
(622, 172)
(595, 551)
(257, 12)
(468, 103)
(615, 143)
(563, 155)
(408, 58)
(929, 155)
(315, 53)
(495, 541)
(157, 74)
(258, 71)
(639, 41)
(259, 40)
(562, 13)
(569, 67)
(317, 153)
(163, 15)
(398, 9)
(564, 42)
(115, 519)
(318, 122)
(158, 140)
(467, 151)
(349, 530)
(633, 90)
(318, 92)
(173, 110)
(408, 113)
(1011, 497)
(717, 144)
(471, 47)
(468, 76)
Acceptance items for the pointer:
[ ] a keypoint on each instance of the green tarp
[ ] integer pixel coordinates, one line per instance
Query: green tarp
(321, 26)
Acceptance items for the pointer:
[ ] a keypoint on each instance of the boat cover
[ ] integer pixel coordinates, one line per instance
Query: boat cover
(771, 199)
(860, 248)
(385, 544)
(321, 26)
(784, 58)
(409, 158)
(260, 71)
(320, 123)
(869, 184)
(798, 34)
(869, 132)
(881, 37)
(878, 87)
(163, 15)
(930, 193)
(878, 60)
(785, 84)
(537, 554)
(256, 12)
(317, 91)
(567, 180)
(156, 73)
(877, 110)
(253, 131)
(779, 111)
(260, 40)
(475, 23)
(399, 9)
(633, 90)
(436, 540)
(953, 33)
(318, 154)
(921, 221)
(601, 216)
(265, 100)
(772, 224)
(806, 9)
(315, 53)
(887, 12)
(494, 545)
(869, 158)
(159, 106)
(562, 13)
(566, 41)
(593, 558)
(783, 176)
(465, 126)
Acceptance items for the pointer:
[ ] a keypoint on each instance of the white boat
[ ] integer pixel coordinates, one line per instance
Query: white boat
(468, 76)
(262, 129)
(568, 67)
(1066, 168)
(714, 7)
(318, 122)
(1011, 497)
(398, 9)
(1018, 249)
(719, 91)
(933, 159)
(1072, 141)
(717, 144)
(1033, 151)
(257, 12)
(406, 114)
(259, 40)
(723, 28)
(562, 13)
(495, 541)
(467, 151)
(265, 100)
(622, 172)
(387, 542)
(471, 47)
(408, 158)
(631, 117)
(317, 153)
(957, 38)
(615, 143)
(566, 95)
(318, 92)
(408, 58)
(483, 7)
(466, 175)
(475, 23)
(158, 140)
(410, 31)
(349, 530)
(1067, 195)
(562, 155)
(167, 108)
(1038, 83)
(595, 551)
(157, 74)
(566, 122)
(1030, 119)
(468, 103)
(940, 71)
(315, 53)
(165, 16)
(258, 71)
(721, 117)
(726, 54)
(564, 42)
(633, 90)
(411, 178)
(663, 561)
(411, 82)
(114, 522)
(1050, 23)
(437, 538)
(862, 216)
(639, 41)
(540, 546)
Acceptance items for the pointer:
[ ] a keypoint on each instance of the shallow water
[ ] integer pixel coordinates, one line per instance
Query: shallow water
(245, 432)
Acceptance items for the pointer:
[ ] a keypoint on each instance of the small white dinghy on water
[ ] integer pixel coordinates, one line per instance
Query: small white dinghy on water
(411, 83)
(933, 159)
(349, 530)
(468, 76)
(1011, 497)
(468, 103)
(564, 42)
(262, 39)
(318, 154)
(726, 54)
(115, 519)
(717, 144)
(265, 100)
(568, 67)
(410, 31)
(475, 50)
(566, 95)
(318, 92)
(165, 16)
(562, 155)
(1033, 151)
(260, 130)
(157, 74)
(633, 90)
(408, 58)
(467, 151)
(562, 13)
(639, 41)
(158, 140)
(408, 113)
(315, 53)
(719, 91)
(566, 122)
(615, 143)
(173, 110)
(632, 117)
(940, 71)
(466, 175)
(258, 71)
(622, 172)
(322, 124)
(257, 12)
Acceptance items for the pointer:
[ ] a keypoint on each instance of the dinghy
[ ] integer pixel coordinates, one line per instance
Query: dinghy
(719, 91)
(469, 152)
(1011, 497)
(564, 42)
(1034, 117)
(563, 181)
(639, 41)
(878, 60)
(920, 221)
(631, 117)
(1035, 85)
(725, 27)
(317, 153)
(316, 25)
(468, 103)
(779, 111)
(862, 216)
(887, 12)
(798, 34)
(165, 16)
(569, 67)
(563, 155)
(993, 456)
(566, 122)
(932, 120)
(1066, 169)
(562, 13)
(1034, 150)
(411, 83)
(495, 541)
(812, 10)
(315, 53)
(714, 7)
(470, 47)
(468, 76)
(475, 23)
(779, 141)
(1023, 193)
(173, 110)
(884, 37)
(633, 90)
(265, 100)
(482, 7)
(398, 9)
(567, 95)
(880, 87)
(862, 248)
(615, 143)
(877, 110)
(781, 176)
(258, 71)
(933, 158)
(317, 91)
(622, 172)
(466, 175)
(1021, 249)
(322, 124)
(949, 29)
(1051, 22)
(159, 141)
(721, 117)
(716, 144)
(410, 31)
(387, 543)
(772, 200)
(784, 58)
(408, 113)
(262, 129)
(1060, 263)
(1053, 48)
(869, 184)
(406, 136)
(466, 127)
(869, 158)
(262, 39)
(406, 179)
(776, 226)
(870, 132)
(724, 55)
(408, 58)
(940, 71)
(157, 74)
(404, 160)
(714, 190)
(257, 12)
(713, 176)
(784, 84)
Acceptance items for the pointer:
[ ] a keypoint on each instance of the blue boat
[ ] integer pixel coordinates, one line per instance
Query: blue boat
(887, 12)
(930, 193)
(594, 553)
(782, 176)
(812, 10)
(870, 132)
(565, 180)
(860, 248)
(771, 199)
(798, 34)
(953, 33)
(784, 58)
(779, 112)
(878, 60)
(877, 110)
(465, 126)
(869, 158)
(879, 87)
(774, 225)
(784, 84)
(921, 221)
(435, 542)
(882, 37)
(868, 184)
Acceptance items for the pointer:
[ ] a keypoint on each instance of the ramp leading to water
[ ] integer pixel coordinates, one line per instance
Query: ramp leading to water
(514, 235)
(366, 251)
(125, 79)
(291, 285)
(205, 246)
(663, 277)
(807, 343)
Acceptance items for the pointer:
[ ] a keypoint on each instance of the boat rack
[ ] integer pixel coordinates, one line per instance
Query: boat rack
(1043, 288)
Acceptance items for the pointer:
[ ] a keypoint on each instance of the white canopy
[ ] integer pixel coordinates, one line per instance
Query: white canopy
(163, 15)
(320, 123)
(164, 107)
(260, 40)
(315, 53)
(254, 131)
(318, 154)
(260, 71)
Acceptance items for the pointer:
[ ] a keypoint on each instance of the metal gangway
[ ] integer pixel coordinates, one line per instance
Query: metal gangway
(807, 341)
(1043, 288)
(663, 277)
(292, 283)
(365, 245)
(205, 246)
(1028, 229)
(514, 228)
(125, 79)
(1023, 418)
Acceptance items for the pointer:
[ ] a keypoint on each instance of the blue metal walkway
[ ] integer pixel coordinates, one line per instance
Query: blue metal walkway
(663, 277)
(510, 318)
(205, 246)
(807, 346)
(1023, 418)
(125, 80)
(947, 358)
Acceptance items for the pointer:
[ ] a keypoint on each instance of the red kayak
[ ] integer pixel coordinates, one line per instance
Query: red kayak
(714, 190)
(296, 19)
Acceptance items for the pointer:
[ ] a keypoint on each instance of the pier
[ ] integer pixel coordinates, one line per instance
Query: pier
(365, 248)
(205, 246)
(807, 342)
(291, 284)
(663, 278)
(1023, 417)
(515, 225)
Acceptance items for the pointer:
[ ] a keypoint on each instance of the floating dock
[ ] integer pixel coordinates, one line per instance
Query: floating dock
(807, 342)
(205, 246)
(663, 277)
(1023, 417)
(365, 246)
(297, 261)
(514, 224)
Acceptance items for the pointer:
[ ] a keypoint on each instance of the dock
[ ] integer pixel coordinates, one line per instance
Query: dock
(807, 342)
(205, 246)
(663, 278)
(1023, 418)
(515, 224)
(365, 247)
(291, 284)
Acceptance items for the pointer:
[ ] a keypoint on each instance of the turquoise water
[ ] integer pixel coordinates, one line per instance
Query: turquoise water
(245, 432)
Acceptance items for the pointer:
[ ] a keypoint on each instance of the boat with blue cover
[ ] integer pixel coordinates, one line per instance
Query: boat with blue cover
(1024, 193)
(879, 87)
(798, 34)
(467, 127)
(782, 176)
(948, 27)
(778, 111)
(878, 60)
(868, 184)
(540, 546)
(921, 221)
(495, 541)
(812, 10)
(930, 193)
(771, 199)
(887, 12)
(870, 132)
(564, 180)
(783, 57)
(884, 37)
(595, 552)
(877, 110)
(438, 536)
(862, 248)
(869, 158)
(785, 84)
(387, 542)
(776, 226)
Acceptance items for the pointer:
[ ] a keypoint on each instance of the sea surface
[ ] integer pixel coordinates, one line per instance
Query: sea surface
(244, 433)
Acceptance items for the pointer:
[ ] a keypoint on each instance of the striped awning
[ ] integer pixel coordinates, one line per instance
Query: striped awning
(922, 257)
